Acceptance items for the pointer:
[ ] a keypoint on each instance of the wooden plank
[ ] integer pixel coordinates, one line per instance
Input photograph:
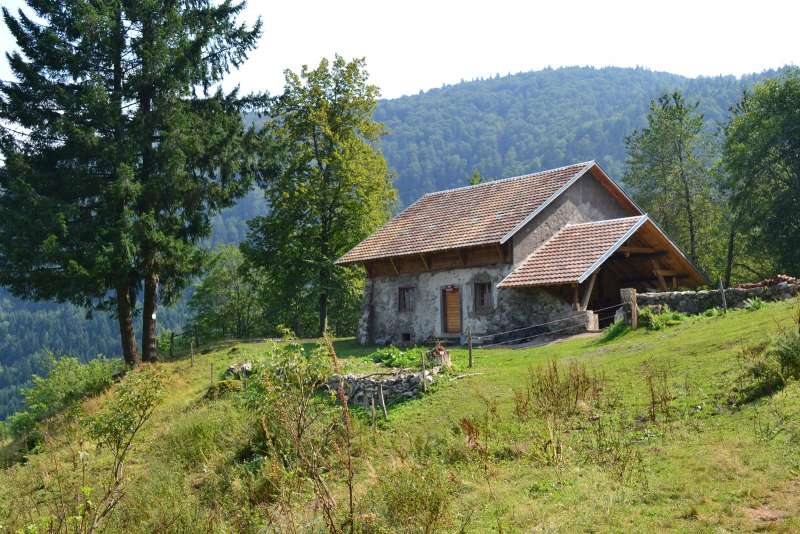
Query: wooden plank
(661, 282)
(425, 262)
(628, 249)
(587, 294)
(394, 266)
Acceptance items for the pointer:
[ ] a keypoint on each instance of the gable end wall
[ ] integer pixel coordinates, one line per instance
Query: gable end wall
(585, 201)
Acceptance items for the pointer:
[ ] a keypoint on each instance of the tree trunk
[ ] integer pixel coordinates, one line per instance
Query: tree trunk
(323, 312)
(687, 199)
(149, 324)
(125, 317)
(731, 251)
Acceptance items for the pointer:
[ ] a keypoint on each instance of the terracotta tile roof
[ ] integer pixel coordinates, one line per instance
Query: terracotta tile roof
(464, 217)
(572, 253)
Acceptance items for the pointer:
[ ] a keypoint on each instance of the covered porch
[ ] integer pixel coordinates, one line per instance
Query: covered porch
(587, 264)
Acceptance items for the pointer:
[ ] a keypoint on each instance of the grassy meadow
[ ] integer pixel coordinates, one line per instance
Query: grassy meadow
(659, 436)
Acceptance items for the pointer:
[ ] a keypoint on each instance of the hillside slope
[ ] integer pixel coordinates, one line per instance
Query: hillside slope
(697, 461)
(502, 126)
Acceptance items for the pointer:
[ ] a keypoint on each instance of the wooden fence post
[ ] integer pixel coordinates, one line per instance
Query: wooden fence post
(191, 348)
(383, 401)
(722, 295)
(171, 345)
(424, 381)
(469, 347)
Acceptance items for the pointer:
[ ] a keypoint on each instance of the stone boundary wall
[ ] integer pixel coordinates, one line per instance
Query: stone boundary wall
(402, 385)
(693, 302)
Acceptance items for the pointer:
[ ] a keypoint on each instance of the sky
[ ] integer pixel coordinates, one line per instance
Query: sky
(418, 45)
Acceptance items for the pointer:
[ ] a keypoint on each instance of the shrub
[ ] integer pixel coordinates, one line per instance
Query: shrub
(416, 498)
(660, 317)
(754, 304)
(223, 387)
(713, 312)
(394, 357)
(67, 383)
(618, 329)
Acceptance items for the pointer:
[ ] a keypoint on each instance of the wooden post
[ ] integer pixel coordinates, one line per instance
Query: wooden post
(587, 293)
(171, 345)
(212, 373)
(372, 403)
(722, 295)
(383, 402)
(424, 382)
(469, 347)
(628, 296)
(191, 348)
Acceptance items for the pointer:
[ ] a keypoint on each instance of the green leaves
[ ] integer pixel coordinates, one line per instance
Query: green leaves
(328, 188)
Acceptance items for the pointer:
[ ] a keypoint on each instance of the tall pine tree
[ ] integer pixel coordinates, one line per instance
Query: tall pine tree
(118, 150)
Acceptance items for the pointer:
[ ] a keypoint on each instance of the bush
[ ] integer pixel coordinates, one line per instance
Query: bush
(395, 357)
(416, 498)
(660, 317)
(754, 304)
(68, 382)
(713, 312)
(618, 329)
(223, 387)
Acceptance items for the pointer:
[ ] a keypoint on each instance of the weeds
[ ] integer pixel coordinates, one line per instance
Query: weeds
(657, 379)
(615, 331)
(660, 317)
(754, 304)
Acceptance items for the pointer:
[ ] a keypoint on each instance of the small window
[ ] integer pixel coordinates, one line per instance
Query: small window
(483, 296)
(405, 299)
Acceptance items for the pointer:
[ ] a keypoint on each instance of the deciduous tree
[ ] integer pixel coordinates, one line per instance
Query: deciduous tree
(330, 190)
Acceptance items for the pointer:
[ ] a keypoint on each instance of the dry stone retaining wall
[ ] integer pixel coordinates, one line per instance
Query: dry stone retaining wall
(694, 302)
(360, 390)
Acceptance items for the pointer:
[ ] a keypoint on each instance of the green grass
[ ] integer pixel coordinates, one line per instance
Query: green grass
(712, 465)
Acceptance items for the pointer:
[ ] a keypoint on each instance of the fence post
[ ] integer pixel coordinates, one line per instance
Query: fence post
(171, 345)
(722, 295)
(631, 308)
(212, 374)
(191, 348)
(469, 346)
(424, 381)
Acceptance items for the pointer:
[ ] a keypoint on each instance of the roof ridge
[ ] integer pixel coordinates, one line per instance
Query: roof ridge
(589, 223)
(582, 165)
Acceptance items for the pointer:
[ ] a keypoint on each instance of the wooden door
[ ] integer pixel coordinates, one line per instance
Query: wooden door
(451, 298)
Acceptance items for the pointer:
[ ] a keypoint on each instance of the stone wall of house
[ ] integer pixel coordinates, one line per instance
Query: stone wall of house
(511, 308)
(699, 301)
(585, 201)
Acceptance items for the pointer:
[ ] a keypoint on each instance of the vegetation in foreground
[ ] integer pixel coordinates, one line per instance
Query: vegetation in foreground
(692, 427)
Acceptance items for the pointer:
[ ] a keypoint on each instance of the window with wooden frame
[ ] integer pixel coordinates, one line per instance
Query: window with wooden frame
(405, 299)
(483, 296)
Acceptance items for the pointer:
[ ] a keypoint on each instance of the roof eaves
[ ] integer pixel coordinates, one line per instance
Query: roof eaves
(341, 260)
(547, 202)
(697, 269)
(602, 259)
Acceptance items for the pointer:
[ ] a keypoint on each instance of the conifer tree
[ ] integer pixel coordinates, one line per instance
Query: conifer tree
(118, 148)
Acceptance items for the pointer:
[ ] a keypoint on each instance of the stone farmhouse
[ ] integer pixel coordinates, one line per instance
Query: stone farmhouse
(551, 249)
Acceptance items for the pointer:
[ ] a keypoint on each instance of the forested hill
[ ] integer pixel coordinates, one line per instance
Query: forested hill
(501, 126)
(526, 122)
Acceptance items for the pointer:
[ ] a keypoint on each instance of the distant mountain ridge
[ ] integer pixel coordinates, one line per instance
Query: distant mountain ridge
(503, 126)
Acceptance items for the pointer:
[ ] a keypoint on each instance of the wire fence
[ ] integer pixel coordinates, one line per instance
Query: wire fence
(531, 332)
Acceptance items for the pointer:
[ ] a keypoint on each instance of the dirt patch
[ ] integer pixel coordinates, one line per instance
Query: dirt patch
(764, 514)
